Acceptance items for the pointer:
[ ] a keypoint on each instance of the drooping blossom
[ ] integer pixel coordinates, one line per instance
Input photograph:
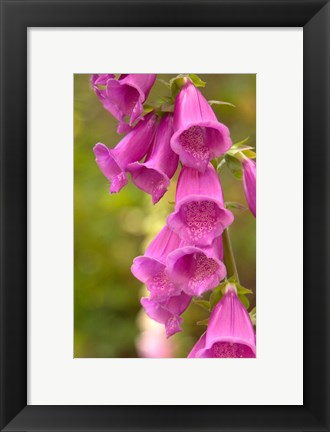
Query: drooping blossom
(249, 183)
(124, 96)
(154, 174)
(197, 270)
(200, 215)
(198, 135)
(230, 332)
(99, 83)
(151, 269)
(133, 147)
(167, 312)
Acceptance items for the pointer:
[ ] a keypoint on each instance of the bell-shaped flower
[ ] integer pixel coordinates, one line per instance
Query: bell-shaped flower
(154, 174)
(230, 332)
(249, 183)
(200, 215)
(198, 135)
(151, 269)
(167, 312)
(99, 83)
(133, 147)
(196, 270)
(125, 96)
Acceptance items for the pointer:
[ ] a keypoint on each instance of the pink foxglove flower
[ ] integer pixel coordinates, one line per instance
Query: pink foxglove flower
(153, 176)
(99, 82)
(200, 215)
(230, 332)
(198, 135)
(197, 270)
(133, 147)
(167, 312)
(124, 96)
(249, 183)
(151, 269)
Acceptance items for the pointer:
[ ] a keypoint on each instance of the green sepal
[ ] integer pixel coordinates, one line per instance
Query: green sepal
(234, 165)
(203, 304)
(240, 148)
(240, 144)
(242, 290)
(217, 294)
(197, 81)
(176, 84)
(147, 109)
(232, 280)
(249, 153)
(244, 300)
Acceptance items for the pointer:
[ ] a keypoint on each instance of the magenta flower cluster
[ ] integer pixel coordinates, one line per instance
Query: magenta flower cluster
(186, 258)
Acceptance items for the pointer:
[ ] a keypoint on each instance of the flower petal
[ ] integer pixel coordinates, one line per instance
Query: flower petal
(106, 160)
(167, 312)
(197, 347)
(249, 183)
(113, 162)
(196, 270)
(199, 215)
(198, 135)
(153, 176)
(230, 331)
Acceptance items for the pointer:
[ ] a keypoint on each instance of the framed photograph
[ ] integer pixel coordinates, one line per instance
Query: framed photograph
(150, 278)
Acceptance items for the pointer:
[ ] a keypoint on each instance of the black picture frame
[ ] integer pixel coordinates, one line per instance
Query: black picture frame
(16, 17)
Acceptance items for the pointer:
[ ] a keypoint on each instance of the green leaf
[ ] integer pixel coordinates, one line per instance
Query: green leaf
(235, 206)
(216, 102)
(197, 81)
(242, 290)
(203, 322)
(245, 301)
(203, 304)
(234, 166)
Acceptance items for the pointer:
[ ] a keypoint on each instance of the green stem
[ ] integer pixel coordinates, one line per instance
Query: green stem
(229, 255)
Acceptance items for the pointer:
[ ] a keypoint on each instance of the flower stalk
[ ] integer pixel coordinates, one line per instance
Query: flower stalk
(229, 257)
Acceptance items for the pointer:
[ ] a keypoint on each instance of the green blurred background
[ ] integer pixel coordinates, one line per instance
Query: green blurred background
(110, 230)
